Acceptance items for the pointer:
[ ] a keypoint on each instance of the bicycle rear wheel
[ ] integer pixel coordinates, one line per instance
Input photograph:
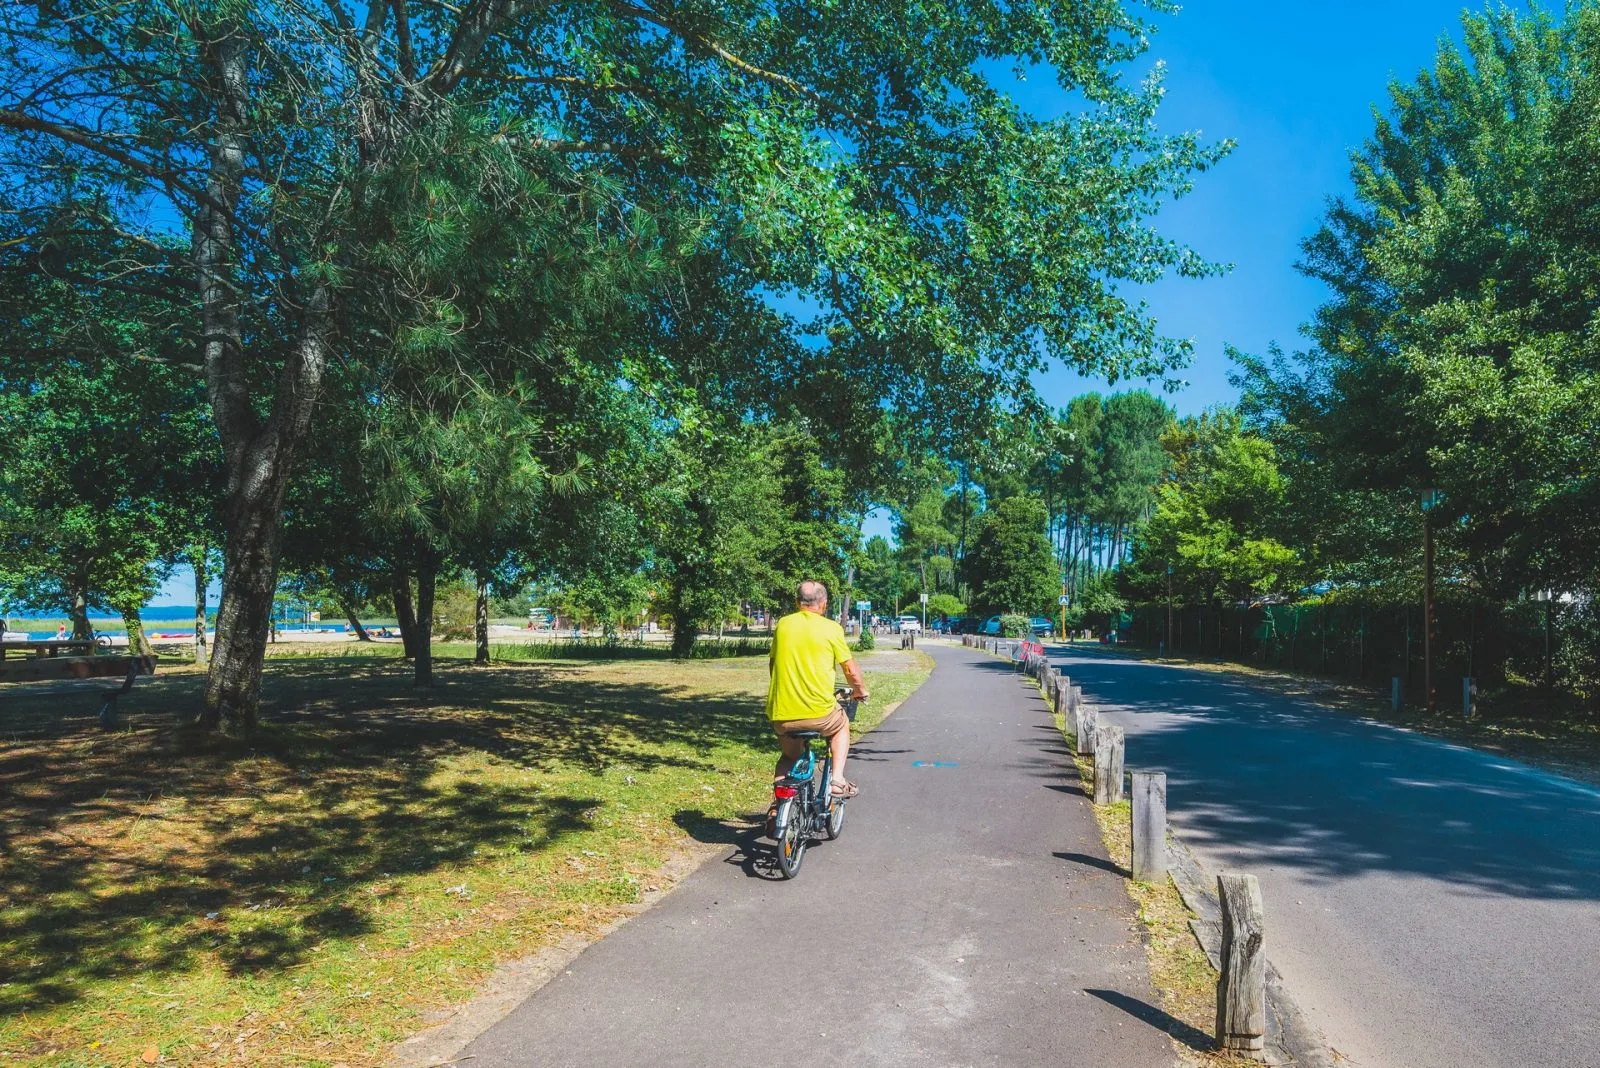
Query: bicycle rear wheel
(792, 842)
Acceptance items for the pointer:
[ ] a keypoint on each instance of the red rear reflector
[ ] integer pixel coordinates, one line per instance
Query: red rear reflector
(783, 793)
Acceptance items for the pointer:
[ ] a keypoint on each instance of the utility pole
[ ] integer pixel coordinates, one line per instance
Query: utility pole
(1430, 498)
(1169, 610)
(1549, 674)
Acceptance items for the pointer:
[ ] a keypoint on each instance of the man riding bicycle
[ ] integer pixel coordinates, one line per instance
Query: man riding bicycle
(806, 646)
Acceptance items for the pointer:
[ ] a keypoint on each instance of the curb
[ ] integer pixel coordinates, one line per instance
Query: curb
(1291, 1038)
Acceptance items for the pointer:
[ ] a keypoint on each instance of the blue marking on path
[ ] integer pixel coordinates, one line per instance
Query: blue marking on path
(936, 763)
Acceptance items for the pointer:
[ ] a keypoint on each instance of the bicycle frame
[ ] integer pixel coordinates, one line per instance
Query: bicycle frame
(799, 789)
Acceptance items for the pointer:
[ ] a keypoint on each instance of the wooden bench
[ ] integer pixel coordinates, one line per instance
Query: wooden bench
(68, 659)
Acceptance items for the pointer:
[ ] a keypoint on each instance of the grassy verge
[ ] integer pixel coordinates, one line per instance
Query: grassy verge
(1562, 735)
(308, 897)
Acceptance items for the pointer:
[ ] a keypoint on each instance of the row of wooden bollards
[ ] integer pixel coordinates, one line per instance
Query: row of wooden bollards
(998, 646)
(1242, 982)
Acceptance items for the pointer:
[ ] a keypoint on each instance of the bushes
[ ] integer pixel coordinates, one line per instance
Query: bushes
(1015, 626)
(866, 643)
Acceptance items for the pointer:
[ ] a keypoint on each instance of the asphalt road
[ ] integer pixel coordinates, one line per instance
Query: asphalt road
(967, 916)
(1430, 906)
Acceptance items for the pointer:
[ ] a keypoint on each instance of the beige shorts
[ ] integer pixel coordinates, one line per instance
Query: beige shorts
(827, 726)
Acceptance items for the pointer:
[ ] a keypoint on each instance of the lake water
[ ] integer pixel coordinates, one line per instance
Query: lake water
(158, 620)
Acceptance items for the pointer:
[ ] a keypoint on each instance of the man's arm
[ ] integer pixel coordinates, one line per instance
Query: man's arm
(852, 675)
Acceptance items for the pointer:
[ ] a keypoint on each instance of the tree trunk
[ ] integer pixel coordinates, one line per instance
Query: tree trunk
(258, 453)
(355, 623)
(481, 623)
(202, 581)
(138, 644)
(405, 615)
(78, 613)
(427, 575)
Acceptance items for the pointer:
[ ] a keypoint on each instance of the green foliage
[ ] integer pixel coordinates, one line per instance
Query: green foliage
(1098, 600)
(1457, 351)
(865, 642)
(452, 242)
(105, 453)
(1215, 520)
(1096, 466)
(946, 605)
(1013, 625)
(1010, 563)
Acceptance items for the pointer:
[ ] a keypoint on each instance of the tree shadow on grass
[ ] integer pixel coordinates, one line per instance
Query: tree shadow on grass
(117, 847)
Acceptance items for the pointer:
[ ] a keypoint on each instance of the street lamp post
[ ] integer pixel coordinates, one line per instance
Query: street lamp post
(1430, 500)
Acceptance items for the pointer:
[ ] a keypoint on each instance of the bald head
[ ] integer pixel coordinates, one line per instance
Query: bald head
(811, 596)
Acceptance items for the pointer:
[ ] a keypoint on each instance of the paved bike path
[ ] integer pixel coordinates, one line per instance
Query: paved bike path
(967, 916)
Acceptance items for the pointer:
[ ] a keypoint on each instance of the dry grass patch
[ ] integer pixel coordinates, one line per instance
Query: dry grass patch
(307, 897)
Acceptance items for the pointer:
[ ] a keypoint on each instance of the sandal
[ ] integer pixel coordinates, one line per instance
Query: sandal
(843, 788)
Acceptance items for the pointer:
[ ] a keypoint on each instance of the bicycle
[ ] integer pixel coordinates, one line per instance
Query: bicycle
(806, 805)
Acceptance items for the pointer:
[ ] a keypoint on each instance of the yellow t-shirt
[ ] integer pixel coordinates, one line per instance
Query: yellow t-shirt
(805, 648)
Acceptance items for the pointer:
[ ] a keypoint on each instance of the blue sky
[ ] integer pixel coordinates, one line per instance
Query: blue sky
(1294, 84)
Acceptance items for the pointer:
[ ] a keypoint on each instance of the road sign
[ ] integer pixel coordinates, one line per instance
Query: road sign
(1063, 601)
(924, 598)
(863, 606)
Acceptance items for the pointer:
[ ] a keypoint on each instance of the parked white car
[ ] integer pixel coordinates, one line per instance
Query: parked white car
(908, 624)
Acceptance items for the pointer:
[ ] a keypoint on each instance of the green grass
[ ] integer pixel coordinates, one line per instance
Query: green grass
(307, 897)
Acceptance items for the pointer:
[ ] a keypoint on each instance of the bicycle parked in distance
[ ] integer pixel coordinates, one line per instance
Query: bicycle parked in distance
(806, 805)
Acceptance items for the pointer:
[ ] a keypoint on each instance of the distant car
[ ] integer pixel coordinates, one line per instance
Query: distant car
(991, 627)
(1042, 627)
(908, 624)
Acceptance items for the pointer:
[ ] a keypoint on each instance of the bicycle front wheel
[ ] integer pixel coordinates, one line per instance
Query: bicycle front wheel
(792, 842)
(835, 826)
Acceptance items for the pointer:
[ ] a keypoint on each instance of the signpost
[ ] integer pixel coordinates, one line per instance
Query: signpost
(924, 613)
(862, 608)
(1063, 603)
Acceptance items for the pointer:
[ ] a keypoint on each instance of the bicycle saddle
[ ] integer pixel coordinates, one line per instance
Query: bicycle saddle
(805, 736)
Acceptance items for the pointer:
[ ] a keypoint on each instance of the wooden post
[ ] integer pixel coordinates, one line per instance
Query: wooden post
(1242, 986)
(1058, 695)
(1394, 694)
(1469, 695)
(1149, 826)
(1108, 750)
(1088, 722)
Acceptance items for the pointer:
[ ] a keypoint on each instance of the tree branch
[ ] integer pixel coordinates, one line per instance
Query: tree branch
(402, 31)
(83, 139)
(599, 148)
(744, 66)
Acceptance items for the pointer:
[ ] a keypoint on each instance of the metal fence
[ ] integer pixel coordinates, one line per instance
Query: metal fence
(1531, 641)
